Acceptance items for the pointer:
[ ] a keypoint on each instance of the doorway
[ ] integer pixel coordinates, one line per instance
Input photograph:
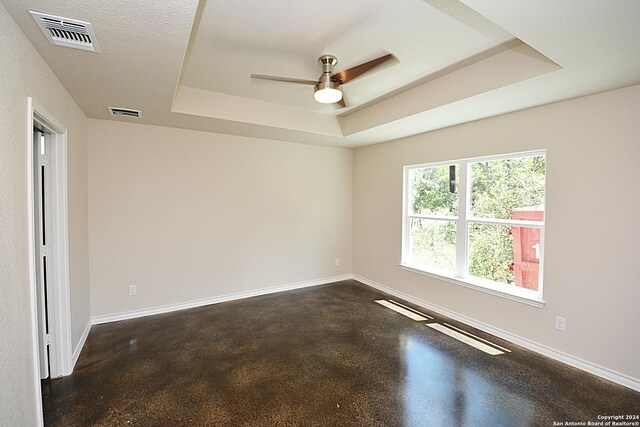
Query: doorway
(48, 246)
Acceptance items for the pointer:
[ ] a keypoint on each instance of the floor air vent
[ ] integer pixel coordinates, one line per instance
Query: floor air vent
(67, 32)
(124, 112)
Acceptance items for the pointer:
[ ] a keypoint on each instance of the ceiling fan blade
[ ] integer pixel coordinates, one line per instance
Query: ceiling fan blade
(349, 74)
(340, 103)
(284, 79)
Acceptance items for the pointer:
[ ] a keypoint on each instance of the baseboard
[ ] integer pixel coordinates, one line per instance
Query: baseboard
(576, 362)
(78, 349)
(96, 320)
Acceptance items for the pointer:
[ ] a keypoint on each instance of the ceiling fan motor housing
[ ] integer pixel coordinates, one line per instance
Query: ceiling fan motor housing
(327, 62)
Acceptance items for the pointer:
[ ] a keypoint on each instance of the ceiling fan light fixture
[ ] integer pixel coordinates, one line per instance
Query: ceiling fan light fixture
(327, 92)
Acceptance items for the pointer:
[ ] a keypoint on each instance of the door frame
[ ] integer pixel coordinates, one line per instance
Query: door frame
(60, 320)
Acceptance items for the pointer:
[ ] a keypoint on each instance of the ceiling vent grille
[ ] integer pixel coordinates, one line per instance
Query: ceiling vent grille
(67, 32)
(124, 112)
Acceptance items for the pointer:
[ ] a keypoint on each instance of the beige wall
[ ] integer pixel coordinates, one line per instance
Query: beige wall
(593, 202)
(187, 215)
(23, 73)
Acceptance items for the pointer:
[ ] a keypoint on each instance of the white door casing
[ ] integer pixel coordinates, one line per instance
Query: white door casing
(57, 249)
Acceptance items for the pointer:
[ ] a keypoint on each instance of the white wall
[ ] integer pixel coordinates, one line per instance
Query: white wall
(23, 73)
(592, 246)
(187, 215)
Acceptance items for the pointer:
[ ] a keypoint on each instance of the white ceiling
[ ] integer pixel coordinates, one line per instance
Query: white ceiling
(187, 63)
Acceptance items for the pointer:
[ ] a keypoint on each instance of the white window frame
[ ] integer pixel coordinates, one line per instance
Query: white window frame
(461, 276)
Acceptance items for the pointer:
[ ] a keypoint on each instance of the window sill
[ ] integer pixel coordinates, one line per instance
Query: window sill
(532, 301)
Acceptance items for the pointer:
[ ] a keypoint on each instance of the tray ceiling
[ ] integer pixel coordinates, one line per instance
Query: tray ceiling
(187, 64)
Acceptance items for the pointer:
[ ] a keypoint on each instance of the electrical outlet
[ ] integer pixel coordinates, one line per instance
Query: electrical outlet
(337, 262)
(133, 290)
(561, 323)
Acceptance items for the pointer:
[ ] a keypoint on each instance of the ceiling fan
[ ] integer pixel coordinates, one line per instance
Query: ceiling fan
(327, 89)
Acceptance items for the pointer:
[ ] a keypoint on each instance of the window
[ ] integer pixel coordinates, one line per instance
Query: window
(478, 222)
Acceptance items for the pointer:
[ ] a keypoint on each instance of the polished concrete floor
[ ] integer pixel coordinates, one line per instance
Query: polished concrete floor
(321, 356)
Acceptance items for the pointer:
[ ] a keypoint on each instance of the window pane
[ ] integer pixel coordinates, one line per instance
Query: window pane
(431, 191)
(508, 188)
(509, 255)
(433, 244)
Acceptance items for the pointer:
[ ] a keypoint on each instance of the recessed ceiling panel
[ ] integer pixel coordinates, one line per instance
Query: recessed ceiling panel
(234, 39)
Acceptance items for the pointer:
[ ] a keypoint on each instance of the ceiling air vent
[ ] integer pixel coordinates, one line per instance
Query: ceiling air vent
(67, 32)
(124, 112)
